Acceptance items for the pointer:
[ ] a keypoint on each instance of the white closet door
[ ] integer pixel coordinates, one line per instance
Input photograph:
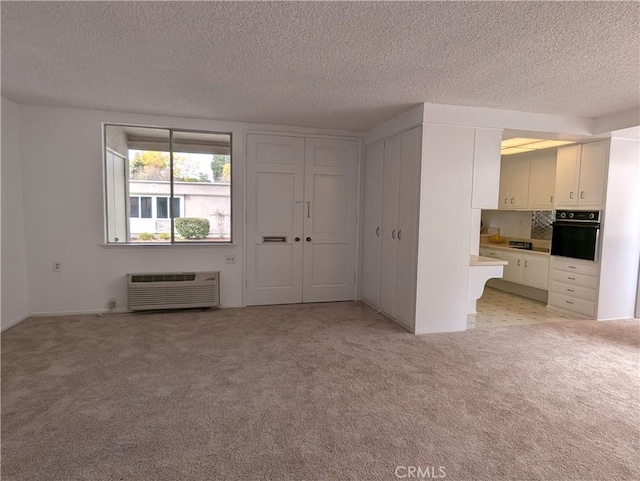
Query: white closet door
(392, 153)
(408, 199)
(330, 220)
(275, 182)
(372, 222)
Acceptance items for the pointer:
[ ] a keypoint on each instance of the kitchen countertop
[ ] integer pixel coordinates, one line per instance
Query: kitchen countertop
(486, 261)
(505, 247)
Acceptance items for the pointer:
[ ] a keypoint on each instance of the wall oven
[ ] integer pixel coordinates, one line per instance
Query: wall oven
(575, 234)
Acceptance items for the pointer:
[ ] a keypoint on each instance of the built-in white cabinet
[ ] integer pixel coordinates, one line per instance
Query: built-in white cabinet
(514, 183)
(523, 268)
(527, 181)
(580, 175)
(573, 285)
(542, 180)
(390, 225)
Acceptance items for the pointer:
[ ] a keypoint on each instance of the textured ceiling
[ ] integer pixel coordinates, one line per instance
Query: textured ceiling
(347, 65)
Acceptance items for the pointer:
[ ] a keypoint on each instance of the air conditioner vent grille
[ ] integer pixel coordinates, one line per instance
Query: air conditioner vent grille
(163, 278)
(167, 290)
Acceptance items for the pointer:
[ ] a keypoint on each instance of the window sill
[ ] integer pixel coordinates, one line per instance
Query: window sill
(156, 245)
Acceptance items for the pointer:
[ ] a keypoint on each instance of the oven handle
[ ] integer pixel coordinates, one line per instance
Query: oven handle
(593, 225)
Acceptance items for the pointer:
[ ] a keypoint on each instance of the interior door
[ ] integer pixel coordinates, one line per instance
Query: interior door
(330, 220)
(372, 222)
(388, 246)
(275, 182)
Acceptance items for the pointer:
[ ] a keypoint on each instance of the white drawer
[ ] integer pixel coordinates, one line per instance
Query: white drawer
(574, 279)
(574, 291)
(574, 265)
(573, 304)
(488, 252)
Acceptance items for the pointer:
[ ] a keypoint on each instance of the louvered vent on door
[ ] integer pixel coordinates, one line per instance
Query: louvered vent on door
(169, 290)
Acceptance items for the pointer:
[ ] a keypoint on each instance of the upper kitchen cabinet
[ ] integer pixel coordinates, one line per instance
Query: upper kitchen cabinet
(486, 168)
(580, 175)
(542, 180)
(514, 183)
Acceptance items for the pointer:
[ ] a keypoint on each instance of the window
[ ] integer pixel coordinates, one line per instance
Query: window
(167, 186)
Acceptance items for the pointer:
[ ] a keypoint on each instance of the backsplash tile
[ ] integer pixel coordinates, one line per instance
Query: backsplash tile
(541, 224)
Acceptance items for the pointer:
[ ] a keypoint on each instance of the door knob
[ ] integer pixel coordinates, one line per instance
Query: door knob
(308, 239)
(297, 239)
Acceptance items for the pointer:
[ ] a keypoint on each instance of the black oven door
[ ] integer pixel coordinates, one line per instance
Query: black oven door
(578, 240)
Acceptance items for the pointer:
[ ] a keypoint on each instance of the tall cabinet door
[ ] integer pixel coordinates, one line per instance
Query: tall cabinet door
(388, 246)
(567, 175)
(275, 182)
(371, 223)
(593, 164)
(407, 235)
(330, 220)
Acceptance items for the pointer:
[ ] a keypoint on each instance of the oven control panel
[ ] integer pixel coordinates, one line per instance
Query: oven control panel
(588, 215)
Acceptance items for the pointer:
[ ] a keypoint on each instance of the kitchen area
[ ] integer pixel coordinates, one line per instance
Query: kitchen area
(547, 231)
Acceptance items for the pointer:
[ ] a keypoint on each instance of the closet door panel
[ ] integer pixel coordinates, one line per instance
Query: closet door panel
(408, 204)
(372, 223)
(392, 154)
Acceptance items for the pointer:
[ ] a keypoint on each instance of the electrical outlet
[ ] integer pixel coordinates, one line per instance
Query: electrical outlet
(231, 259)
(57, 266)
(112, 303)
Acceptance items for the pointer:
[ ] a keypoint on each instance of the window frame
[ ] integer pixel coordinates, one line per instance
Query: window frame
(173, 242)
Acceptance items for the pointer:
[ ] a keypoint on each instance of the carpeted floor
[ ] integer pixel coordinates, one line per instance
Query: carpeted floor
(316, 392)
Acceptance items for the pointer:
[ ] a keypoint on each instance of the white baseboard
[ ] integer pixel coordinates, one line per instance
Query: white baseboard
(14, 322)
(89, 312)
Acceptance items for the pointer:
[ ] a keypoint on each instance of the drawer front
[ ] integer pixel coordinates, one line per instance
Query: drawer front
(574, 304)
(569, 265)
(487, 252)
(574, 291)
(574, 279)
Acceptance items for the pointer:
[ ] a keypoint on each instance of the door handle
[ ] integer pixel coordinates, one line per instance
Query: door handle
(518, 261)
(505, 200)
(297, 239)
(571, 290)
(308, 209)
(582, 194)
(526, 263)
(393, 234)
(378, 231)
(551, 199)
(570, 195)
(399, 234)
(568, 302)
(308, 239)
(512, 200)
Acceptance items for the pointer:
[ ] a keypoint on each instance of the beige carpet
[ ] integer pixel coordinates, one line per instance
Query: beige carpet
(316, 392)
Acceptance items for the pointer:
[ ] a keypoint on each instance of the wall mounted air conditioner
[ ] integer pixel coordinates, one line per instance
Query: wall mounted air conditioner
(172, 290)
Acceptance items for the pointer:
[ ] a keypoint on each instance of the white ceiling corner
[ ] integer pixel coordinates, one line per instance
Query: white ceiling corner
(340, 65)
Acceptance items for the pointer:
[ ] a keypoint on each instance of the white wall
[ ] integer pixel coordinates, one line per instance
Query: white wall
(511, 223)
(64, 212)
(445, 228)
(620, 252)
(14, 256)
